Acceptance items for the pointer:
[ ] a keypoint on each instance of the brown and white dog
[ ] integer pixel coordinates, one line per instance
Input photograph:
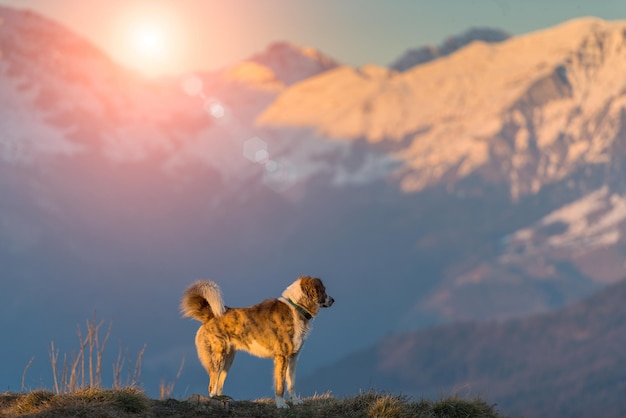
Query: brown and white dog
(274, 328)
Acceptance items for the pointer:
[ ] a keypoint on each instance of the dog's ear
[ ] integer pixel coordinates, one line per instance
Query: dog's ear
(312, 287)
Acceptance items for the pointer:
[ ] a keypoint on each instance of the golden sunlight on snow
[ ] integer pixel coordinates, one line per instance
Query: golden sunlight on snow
(249, 72)
(454, 114)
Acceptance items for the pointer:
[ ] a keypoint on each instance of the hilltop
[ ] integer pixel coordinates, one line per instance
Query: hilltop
(131, 403)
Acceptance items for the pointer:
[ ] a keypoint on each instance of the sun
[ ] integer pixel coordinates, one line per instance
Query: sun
(149, 38)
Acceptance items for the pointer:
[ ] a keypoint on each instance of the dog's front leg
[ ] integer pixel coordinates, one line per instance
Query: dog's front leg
(280, 369)
(291, 379)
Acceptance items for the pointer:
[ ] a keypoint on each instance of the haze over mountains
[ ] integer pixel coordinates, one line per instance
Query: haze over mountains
(484, 184)
(568, 362)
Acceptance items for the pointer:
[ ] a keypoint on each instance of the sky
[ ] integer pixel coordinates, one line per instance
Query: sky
(176, 36)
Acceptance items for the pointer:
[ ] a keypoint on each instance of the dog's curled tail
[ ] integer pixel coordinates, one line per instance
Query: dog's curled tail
(202, 301)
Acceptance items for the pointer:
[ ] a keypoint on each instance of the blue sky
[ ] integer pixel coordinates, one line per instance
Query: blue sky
(356, 32)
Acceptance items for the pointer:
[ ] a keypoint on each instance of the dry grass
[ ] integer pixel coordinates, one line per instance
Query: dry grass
(82, 367)
(130, 402)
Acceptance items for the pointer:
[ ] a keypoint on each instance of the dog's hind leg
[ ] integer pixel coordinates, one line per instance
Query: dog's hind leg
(291, 379)
(228, 361)
(280, 369)
(207, 358)
(214, 374)
(215, 367)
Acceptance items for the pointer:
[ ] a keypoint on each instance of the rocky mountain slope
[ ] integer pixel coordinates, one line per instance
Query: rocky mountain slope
(566, 363)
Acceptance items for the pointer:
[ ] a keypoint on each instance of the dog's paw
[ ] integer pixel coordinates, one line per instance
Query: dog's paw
(296, 401)
(222, 398)
(280, 402)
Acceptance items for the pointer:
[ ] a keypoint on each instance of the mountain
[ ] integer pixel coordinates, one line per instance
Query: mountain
(539, 117)
(118, 191)
(532, 95)
(292, 63)
(565, 363)
(422, 55)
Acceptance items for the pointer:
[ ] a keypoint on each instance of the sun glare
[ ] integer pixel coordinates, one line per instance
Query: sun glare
(149, 39)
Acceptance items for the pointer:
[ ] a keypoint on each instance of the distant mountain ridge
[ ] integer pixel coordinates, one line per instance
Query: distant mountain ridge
(566, 363)
(422, 55)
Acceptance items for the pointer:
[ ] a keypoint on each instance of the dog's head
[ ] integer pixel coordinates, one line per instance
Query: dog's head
(315, 290)
(309, 293)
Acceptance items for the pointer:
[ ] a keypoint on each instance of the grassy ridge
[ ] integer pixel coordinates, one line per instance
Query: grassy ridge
(130, 402)
(78, 392)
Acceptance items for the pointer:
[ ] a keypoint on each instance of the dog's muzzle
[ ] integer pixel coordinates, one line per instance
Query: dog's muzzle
(328, 302)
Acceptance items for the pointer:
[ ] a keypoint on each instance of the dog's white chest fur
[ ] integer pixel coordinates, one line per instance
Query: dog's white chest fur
(301, 328)
(300, 335)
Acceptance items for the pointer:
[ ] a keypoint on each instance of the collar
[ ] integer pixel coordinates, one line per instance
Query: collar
(300, 309)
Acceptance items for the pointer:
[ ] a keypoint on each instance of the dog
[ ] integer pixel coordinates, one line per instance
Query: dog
(274, 328)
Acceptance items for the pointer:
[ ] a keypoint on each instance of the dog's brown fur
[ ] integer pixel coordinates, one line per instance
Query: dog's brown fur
(274, 328)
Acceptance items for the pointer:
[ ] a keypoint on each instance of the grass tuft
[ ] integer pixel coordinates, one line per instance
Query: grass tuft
(388, 407)
(457, 407)
(83, 402)
(129, 400)
(32, 402)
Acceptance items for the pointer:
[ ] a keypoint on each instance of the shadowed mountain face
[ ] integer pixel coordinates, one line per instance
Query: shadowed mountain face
(422, 55)
(567, 363)
(496, 193)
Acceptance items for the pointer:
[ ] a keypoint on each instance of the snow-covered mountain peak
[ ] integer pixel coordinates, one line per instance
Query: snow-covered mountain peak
(487, 108)
(292, 63)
